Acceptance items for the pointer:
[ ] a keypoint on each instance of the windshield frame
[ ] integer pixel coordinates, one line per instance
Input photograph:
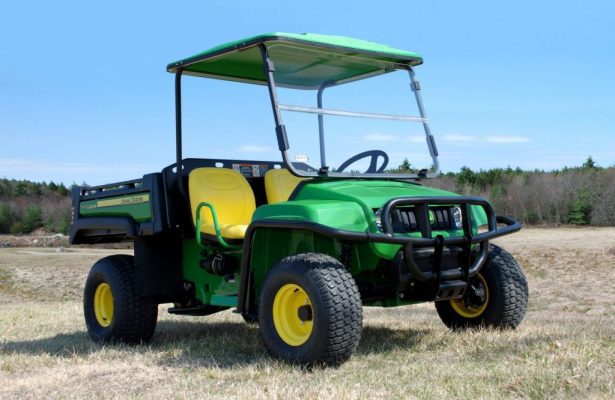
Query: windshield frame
(323, 170)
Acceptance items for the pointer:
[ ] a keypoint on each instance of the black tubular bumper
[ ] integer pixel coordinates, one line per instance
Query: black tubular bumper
(420, 206)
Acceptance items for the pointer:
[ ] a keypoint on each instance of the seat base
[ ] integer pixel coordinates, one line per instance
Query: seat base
(205, 237)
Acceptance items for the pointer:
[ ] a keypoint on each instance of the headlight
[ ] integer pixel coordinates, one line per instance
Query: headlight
(458, 217)
(378, 214)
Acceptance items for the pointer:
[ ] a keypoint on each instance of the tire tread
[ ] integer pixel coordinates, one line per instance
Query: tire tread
(136, 320)
(342, 304)
(508, 304)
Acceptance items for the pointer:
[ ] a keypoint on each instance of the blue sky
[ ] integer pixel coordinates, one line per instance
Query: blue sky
(84, 95)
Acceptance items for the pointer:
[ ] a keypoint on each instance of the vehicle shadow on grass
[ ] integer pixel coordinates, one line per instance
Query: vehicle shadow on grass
(201, 344)
(60, 345)
(179, 339)
(380, 339)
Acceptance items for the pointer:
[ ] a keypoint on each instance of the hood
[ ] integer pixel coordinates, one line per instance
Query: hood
(369, 193)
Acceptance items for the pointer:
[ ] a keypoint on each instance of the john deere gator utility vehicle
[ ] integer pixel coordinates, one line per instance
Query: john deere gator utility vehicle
(298, 245)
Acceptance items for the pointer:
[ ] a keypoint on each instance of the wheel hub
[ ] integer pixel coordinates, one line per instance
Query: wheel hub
(305, 313)
(475, 301)
(476, 294)
(293, 314)
(103, 304)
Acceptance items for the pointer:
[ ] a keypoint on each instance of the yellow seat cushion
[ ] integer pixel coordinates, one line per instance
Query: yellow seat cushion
(227, 231)
(231, 196)
(279, 185)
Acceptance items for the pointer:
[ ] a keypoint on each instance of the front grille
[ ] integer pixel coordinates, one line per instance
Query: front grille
(404, 220)
(443, 218)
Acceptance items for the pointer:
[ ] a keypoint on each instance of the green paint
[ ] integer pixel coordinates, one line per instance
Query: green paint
(336, 214)
(206, 285)
(301, 60)
(370, 196)
(224, 301)
(138, 206)
(272, 245)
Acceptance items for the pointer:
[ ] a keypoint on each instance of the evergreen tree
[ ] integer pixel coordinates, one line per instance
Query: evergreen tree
(7, 218)
(466, 176)
(589, 163)
(405, 166)
(33, 219)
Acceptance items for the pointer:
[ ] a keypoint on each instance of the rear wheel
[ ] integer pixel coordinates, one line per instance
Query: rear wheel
(113, 311)
(497, 296)
(310, 310)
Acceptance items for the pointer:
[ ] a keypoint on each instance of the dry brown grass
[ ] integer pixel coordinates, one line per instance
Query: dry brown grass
(564, 349)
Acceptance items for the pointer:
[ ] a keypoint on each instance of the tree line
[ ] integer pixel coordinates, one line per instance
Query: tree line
(582, 195)
(26, 206)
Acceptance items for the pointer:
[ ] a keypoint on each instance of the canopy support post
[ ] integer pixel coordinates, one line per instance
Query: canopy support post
(280, 129)
(321, 124)
(431, 142)
(178, 132)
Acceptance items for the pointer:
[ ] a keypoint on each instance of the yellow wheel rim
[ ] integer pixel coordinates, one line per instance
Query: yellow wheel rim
(292, 314)
(472, 310)
(103, 304)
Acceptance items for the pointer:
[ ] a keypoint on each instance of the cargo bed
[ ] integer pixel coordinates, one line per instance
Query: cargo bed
(117, 211)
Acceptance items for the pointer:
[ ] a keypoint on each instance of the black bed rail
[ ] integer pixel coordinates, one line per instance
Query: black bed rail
(111, 189)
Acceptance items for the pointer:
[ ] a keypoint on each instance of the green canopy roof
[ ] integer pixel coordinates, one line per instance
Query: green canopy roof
(304, 61)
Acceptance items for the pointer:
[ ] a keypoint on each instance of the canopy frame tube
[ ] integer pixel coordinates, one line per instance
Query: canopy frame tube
(343, 113)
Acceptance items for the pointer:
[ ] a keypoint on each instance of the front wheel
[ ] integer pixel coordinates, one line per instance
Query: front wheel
(112, 308)
(310, 310)
(497, 296)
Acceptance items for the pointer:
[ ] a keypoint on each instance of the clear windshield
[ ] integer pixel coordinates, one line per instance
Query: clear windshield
(361, 128)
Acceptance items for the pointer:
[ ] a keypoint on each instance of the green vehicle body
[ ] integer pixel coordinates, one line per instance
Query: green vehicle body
(346, 216)
(341, 204)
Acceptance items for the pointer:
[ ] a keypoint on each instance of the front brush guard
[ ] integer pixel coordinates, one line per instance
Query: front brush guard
(468, 267)
(421, 205)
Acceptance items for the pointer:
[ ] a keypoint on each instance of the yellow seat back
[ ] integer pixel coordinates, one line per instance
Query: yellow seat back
(279, 185)
(229, 193)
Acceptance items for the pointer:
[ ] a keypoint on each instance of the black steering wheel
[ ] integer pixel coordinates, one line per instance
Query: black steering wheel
(373, 164)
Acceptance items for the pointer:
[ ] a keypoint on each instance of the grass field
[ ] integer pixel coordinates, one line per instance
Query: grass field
(564, 349)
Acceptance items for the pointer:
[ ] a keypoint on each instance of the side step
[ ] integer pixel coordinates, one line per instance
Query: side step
(204, 309)
(448, 290)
